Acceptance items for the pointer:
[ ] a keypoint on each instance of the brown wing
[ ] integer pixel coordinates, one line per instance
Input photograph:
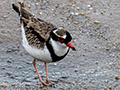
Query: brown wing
(41, 27)
(36, 30)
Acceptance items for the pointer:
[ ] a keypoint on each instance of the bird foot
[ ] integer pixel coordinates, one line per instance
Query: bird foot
(44, 84)
(48, 81)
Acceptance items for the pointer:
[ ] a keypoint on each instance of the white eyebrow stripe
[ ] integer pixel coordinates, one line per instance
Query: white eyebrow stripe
(55, 30)
(64, 36)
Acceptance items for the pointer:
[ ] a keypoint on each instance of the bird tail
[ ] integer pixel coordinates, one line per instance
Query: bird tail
(21, 11)
(16, 8)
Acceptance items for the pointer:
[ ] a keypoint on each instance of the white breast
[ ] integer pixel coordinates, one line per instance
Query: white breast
(40, 54)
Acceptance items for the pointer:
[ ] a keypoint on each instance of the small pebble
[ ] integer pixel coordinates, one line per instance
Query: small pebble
(76, 13)
(52, 9)
(85, 87)
(57, 5)
(53, 14)
(97, 62)
(0, 33)
(62, 20)
(84, 43)
(78, 8)
(81, 13)
(107, 49)
(20, 1)
(72, 13)
(29, 62)
(20, 51)
(53, 76)
(105, 88)
(117, 56)
(44, 1)
(101, 12)
(20, 67)
(76, 70)
(73, 5)
(65, 77)
(106, 26)
(91, 8)
(13, 84)
(96, 22)
(44, 88)
(27, 85)
(117, 77)
(5, 16)
(76, 22)
(36, 4)
(29, 6)
(106, 81)
(3, 85)
(40, 13)
(88, 6)
(55, 64)
(9, 61)
(110, 87)
(110, 64)
(68, 23)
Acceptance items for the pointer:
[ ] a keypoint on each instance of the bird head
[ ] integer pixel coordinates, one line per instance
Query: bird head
(63, 37)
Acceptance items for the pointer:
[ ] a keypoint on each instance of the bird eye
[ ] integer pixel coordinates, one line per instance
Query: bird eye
(60, 39)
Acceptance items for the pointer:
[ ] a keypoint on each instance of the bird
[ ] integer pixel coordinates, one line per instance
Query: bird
(42, 40)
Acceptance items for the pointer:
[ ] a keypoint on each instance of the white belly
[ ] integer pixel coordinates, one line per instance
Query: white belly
(40, 54)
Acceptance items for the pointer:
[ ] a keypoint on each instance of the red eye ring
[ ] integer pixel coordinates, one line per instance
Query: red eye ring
(60, 39)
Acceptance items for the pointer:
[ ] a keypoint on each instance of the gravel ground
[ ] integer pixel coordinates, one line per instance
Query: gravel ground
(94, 25)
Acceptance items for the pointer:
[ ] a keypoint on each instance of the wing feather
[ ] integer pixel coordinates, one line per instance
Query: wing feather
(35, 28)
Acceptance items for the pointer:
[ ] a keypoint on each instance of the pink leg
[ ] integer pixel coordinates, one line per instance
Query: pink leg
(41, 81)
(47, 79)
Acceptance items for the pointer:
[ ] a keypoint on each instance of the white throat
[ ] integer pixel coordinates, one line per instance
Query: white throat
(60, 49)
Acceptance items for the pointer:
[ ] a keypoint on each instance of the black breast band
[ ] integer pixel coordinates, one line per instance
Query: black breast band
(51, 50)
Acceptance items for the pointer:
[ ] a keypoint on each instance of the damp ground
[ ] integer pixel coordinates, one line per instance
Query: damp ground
(94, 26)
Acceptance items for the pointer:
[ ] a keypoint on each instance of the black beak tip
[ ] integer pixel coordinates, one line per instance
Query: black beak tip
(73, 49)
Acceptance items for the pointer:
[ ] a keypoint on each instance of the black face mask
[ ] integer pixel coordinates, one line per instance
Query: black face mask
(55, 37)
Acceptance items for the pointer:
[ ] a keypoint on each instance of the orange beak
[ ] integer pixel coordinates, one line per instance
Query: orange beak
(70, 46)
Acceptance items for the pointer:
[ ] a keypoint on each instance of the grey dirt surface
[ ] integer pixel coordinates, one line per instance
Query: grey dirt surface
(95, 28)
